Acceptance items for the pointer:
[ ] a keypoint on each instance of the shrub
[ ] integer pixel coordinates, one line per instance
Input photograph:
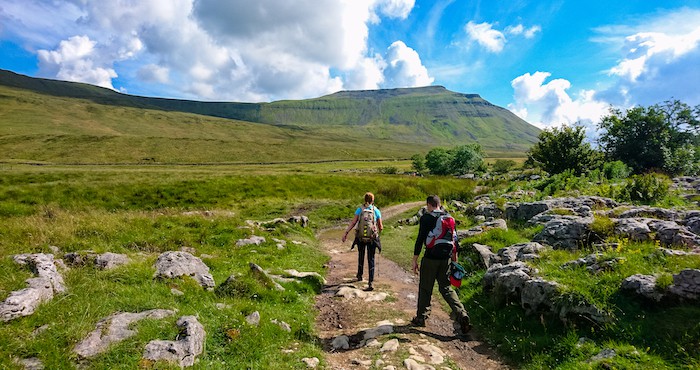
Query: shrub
(603, 226)
(646, 188)
(390, 170)
(616, 170)
(503, 165)
(562, 149)
(664, 281)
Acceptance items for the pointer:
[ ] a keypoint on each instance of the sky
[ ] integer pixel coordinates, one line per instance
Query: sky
(550, 62)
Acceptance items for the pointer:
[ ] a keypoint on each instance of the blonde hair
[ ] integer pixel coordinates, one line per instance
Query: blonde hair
(369, 198)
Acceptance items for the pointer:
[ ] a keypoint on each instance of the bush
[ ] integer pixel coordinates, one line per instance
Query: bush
(646, 188)
(503, 165)
(564, 149)
(603, 226)
(390, 170)
(616, 170)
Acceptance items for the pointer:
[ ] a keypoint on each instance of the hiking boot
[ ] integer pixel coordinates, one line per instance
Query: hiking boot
(369, 288)
(359, 278)
(464, 325)
(416, 321)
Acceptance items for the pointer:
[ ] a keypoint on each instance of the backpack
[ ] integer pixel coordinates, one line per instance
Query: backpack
(443, 232)
(367, 225)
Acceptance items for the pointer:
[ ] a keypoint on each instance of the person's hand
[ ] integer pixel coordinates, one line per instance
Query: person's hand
(415, 267)
(345, 236)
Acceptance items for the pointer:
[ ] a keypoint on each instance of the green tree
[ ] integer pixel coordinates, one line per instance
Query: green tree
(467, 158)
(503, 165)
(561, 149)
(418, 162)
(662, 137)
(439, 161)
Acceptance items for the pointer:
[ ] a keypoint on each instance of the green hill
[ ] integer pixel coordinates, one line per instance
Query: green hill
(66, 122)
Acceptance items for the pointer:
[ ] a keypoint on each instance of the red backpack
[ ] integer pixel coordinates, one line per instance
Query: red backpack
(443, 232)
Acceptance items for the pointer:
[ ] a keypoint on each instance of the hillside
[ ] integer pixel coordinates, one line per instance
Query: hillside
(67, 122)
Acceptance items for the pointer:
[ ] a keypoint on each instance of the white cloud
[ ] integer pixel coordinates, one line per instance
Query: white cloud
(207, 49)
(659, 58)
(548, 104)
(486, 36)
(76, 59)
(404, 67)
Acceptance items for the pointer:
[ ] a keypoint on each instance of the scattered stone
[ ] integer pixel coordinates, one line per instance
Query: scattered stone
(391, 345)
(110, 260)
(341, 342)
(686, 284)
(412, 364)
(349, 292)
(359, 362)
(176, 292)
(282, 325)
(306, 275)
(113, 329)
(373, 343)
(606, 353)
(253, 240)
(223, 306)
(253, 318)
(643, 285)
(436, 355)
(311, 362)
(41, 288)
(384, 327)
(182, 351)
(264, 277)
(31, 363)
(173, 264)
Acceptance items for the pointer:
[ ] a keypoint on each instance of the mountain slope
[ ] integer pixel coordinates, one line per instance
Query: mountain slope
(38, 113)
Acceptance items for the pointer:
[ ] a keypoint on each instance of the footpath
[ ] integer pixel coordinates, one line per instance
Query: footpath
(371, 330)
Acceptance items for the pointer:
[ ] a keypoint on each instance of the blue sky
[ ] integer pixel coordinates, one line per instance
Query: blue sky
(550, 62)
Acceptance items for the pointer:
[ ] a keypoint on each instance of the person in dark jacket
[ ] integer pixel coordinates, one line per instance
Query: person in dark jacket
(434, 266)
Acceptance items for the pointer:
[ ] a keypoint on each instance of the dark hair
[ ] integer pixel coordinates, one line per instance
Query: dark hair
(433, 200)
(369, 198)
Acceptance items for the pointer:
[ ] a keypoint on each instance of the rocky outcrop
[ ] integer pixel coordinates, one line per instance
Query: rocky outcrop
(526, 211)
(566, 232)
(173, 264)
(595, 263)
(183, 351)
(482, 228)
(114, 329)
(103, 261)
(517, 252)
(643, 285)
(41, 288)
(686, 286)
(253, 240)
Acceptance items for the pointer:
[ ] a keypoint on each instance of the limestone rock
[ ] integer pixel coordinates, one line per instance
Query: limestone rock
(41, 288)
(311, 362)
(686, 284)
(253, 240)
(538, 295)
(110, 260)
(253, 318)
(182, 351)
(643, 285)
(485, 252)
(391, 345)
(113, 329)
(341, 342)
(173, 264)
(264, 277)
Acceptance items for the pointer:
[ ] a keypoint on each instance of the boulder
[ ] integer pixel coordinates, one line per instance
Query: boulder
(110, 260)
(485, 252)
(173, 264)
(643, 285)
(538, 295)
(566, 232)
(183, 351)
(686, 284)
(114, 329)
(41, 288)
(507, 279)
(634, 229)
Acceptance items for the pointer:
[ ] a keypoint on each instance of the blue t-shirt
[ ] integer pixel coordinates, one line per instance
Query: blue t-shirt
(377, 213)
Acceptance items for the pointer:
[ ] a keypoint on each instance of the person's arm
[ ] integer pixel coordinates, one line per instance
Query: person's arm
(380, 225)
(350, 226)
(423, 231)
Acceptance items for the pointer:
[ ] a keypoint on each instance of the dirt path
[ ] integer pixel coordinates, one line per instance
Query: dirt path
(362, 315)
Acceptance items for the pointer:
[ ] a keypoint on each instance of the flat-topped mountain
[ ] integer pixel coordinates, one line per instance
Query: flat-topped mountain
(397, 122)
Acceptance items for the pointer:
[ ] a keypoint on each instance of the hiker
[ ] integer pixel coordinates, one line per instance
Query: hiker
(369, 224)
(437, 232)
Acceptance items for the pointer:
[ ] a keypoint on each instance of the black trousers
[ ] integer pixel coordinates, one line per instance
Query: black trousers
(370, 248)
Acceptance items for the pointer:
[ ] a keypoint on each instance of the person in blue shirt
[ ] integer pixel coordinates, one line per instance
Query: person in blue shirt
(369, 219)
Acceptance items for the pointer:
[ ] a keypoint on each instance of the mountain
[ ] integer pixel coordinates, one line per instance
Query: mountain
(396, 122)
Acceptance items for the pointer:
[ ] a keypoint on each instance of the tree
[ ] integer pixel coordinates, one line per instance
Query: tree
(662, 137)
(457, 160)
(467, 158)
(561, 149)
(418, 162)
(503, 165)
(438, 161)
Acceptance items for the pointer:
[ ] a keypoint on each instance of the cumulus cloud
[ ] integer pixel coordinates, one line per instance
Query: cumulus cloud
(404, 67)
(547, 104)
(486, 36)
(494, 40)
(207, 49)
(75, 60)
(658, 59)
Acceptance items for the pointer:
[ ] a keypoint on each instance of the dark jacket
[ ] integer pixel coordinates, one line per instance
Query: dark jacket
(439, 251)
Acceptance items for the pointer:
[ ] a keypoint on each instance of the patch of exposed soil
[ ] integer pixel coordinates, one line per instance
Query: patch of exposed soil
(351, 317)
